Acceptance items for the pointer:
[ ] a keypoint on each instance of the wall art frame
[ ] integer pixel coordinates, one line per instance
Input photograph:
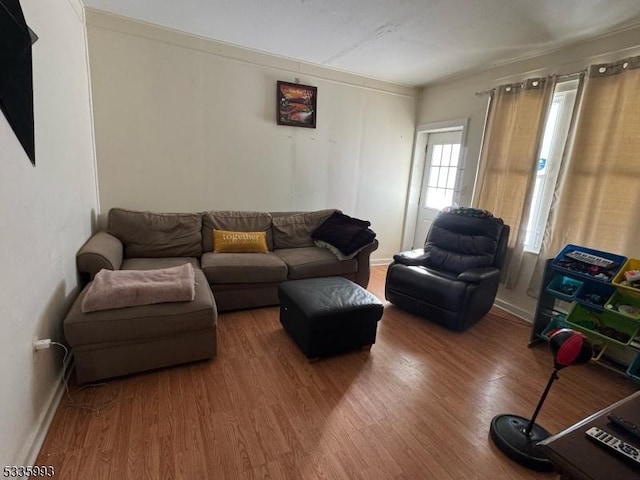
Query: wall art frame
(296, 104)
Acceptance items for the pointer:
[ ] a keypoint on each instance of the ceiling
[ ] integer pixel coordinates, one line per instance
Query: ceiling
(411, 42)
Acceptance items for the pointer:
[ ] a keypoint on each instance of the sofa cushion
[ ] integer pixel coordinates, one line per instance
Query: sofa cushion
(294, 231)
(243, 267)
(141, 322)
(156, 263)
(307, 262)
(147, 234)
(236, 222)
(225, 241)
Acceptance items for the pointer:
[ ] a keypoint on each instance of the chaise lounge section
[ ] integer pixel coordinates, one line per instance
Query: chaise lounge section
(114, 342)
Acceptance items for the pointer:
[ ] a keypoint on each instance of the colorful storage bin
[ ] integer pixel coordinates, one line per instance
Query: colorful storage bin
(624, 304)
(565, 287)
(634, 369)
(565, 263)
(605, 325)
(594, 295)
(630, 264)
(555, 323)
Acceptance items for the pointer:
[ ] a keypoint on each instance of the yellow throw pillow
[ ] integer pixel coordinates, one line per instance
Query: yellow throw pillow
(239, 242)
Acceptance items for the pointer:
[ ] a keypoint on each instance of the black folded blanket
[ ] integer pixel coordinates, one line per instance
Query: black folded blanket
(346, 233)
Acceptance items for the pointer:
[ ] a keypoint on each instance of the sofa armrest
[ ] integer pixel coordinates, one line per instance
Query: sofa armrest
(364, 268)
(102, 250)
(478, 275)
(411, 258)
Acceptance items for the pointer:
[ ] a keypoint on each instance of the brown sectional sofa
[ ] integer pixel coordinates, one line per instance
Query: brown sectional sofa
(238, 280)
(126, 340)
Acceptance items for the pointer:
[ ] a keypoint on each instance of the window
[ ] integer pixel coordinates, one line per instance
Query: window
(442, 175)
(553, 141)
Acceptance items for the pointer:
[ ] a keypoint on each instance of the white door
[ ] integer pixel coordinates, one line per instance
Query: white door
(439, 181)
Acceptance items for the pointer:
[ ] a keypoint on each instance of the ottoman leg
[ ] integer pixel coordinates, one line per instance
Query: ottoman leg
(366, 347)
(314, 359)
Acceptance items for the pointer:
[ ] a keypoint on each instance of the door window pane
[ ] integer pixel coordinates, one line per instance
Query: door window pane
(455, 153)
(446, 155)
(442, 176)
(436, 160)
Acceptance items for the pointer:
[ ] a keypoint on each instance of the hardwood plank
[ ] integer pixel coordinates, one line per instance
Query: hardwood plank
(418, 405)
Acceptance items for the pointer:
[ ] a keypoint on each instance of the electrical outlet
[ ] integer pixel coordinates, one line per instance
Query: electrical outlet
(41, 344)
(37, 345)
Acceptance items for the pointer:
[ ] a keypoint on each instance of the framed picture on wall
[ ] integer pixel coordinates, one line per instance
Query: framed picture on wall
(297, 104)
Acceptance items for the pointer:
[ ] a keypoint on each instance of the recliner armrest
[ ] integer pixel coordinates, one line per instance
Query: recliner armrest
(411, 258)
(478, 275)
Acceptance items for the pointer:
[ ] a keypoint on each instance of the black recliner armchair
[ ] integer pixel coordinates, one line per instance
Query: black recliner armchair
(454, 279)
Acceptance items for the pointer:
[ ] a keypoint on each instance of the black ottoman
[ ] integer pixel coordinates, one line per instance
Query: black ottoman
(328, 315)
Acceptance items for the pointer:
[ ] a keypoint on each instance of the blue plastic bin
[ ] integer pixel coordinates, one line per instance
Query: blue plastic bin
(601, 274)
(565, 288)
(634, 369)
(555, 323)
(594, 295)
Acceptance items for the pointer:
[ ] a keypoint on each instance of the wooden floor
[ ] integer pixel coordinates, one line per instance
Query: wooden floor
(418, 406)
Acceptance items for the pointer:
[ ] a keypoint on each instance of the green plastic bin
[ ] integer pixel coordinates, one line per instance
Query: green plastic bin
(624, 304)
(607, 326)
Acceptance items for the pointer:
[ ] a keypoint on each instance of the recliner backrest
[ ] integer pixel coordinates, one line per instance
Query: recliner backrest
(456, 243)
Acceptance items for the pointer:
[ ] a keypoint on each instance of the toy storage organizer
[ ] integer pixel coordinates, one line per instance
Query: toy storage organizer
(596, 293)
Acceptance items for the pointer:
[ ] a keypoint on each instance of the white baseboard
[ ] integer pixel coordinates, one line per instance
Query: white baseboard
(47, 416)
(381, 261)
(514, 310)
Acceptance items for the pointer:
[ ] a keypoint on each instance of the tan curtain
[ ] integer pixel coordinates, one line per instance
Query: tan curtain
(508, 160)
(597, 200)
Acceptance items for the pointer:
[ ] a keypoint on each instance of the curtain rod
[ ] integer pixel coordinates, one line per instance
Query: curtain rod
(558, 77)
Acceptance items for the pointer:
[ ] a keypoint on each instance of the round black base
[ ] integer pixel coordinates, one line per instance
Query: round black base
(507, 432)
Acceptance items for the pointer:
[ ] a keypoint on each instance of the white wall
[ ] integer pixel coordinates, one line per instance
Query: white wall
(187, 124)
(455, 98)
(46, 215)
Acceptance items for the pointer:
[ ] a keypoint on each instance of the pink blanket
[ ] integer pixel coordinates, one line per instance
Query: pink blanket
(128, 288)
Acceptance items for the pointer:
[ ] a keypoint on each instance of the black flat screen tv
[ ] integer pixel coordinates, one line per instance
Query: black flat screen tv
(16, 78)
